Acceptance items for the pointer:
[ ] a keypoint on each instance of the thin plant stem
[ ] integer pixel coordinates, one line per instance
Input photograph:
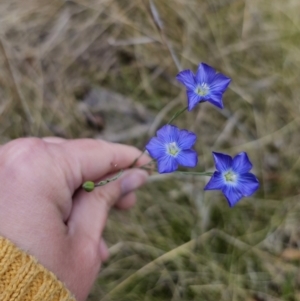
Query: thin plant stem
(148, 168)
(194, 173)
(177, 114)
(104, 182)
(145, 165)
(136, 159)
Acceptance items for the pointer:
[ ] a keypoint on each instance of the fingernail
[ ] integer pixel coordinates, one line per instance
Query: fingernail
(133, 180)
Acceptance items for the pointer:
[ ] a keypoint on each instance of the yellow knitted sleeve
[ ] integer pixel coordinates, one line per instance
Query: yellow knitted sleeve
(22, 278)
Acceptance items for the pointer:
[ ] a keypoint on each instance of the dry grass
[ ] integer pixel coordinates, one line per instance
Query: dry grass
(178, 243)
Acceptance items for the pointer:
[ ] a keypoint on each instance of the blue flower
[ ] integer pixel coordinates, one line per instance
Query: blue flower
(172, 147)
(206, 85)
(233, 177)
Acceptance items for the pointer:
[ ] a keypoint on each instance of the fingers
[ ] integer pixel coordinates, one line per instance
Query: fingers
(88, 159)
(104, 253)
(126, 202)
(57, 140)
(90, 210)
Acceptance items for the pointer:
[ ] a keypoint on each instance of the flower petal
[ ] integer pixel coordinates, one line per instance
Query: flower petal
(223, 162)
(193, 99)
(186, 139)
(232, 194)
(166, 164)
(216, 182)
(220, 83)
(168, 133)
(241, 163)
(156, 148)
(186, 77)
(247, 184)
(216, 100)
(187, 158)
(205, 74)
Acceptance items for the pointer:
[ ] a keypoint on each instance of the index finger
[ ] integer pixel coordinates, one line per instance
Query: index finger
(89, 160)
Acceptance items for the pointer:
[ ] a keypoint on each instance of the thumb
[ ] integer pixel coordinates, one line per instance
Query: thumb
(90, 210)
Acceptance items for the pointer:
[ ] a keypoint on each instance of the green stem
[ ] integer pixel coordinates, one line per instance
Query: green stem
(145, 165)
(136, 159)
(89, 185)
(177, 114)
(194, 173)
(104, 182)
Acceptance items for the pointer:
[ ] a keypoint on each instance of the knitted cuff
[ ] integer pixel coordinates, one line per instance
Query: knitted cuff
(22, 278)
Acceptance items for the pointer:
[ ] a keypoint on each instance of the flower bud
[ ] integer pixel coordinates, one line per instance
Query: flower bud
(88, 186)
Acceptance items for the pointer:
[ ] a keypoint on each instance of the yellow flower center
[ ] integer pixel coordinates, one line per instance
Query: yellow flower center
(230, 176)
(202, 89)
(172, 149)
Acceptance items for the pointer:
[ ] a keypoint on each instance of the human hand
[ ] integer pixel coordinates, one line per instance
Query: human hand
(44, 213)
